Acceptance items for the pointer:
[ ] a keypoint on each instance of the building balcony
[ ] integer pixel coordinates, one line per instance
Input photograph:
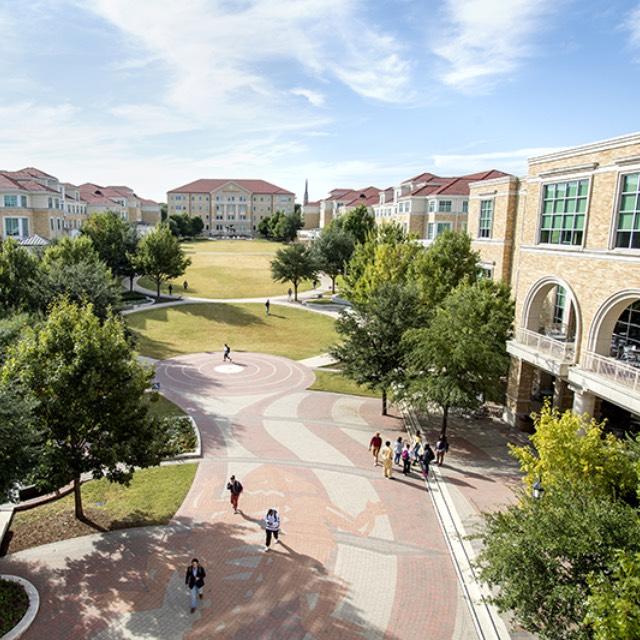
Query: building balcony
(553, 354)
(609, 378)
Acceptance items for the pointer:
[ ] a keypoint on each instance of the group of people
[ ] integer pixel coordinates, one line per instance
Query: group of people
(195, 575)
(406, 454)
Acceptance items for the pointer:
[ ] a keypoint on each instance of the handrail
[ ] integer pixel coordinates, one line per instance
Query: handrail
(612, 369)
(557, 349)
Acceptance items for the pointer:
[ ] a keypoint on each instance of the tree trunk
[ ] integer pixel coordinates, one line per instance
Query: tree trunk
(295, 292)
(77, 496)
(384, 402)
(158, 289)
(445, 416)
(131, 277)
(333, 284)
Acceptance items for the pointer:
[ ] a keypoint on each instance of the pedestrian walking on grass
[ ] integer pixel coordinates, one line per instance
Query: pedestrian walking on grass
(290, 293)
(170, 289)
(387, 459)
(442, 446)
(267, 306)
(406, 459)
(227, 353)
(397, 450)
(417, 448)
(374, 447)
(235, 487)
(185, 285)
(428, 456)
(194, 579)
(272, 527)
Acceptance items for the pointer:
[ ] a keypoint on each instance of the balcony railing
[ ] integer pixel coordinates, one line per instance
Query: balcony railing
(560, 350)
(613, 369)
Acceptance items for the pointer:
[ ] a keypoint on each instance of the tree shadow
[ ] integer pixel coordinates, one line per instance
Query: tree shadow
(126, 583)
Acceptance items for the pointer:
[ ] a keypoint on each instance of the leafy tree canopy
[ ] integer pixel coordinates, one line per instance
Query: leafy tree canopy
(358, 222)
(294, 264)
(332, 251)
(19, 279)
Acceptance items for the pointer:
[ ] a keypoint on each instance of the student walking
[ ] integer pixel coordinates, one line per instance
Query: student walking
(170, 289)
(236, 488)
(227, 353)
(374, 447)
(267, 306)
(397, 450)
(387, 459)
(290, 293)
(417, 447)
(428, 456)
(194, 579)
(406, 459)
(272, 527)
(185, 285)
(442, 446)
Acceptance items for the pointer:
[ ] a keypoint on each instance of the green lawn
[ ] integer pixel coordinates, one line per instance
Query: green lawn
(170, 331)
(153, 497)
(338, 383)
(160, 407)
(228, 269)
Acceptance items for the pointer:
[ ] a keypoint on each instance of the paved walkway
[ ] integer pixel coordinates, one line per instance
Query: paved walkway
(362, 557)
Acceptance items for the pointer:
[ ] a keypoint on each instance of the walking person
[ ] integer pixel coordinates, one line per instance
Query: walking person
(442, 446)
(267, 306)
(428, 456)
(194, 579)
(227, 353)
(397, 450)
(406, 459)
(374, 447)
(170, 289)
(272, 527)
(290, 293)
(387, 459)
(235, 487)
(185, 285)
(417, 447)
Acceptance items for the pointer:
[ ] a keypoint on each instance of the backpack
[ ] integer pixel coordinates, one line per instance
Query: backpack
(405, 454)
(429, 455)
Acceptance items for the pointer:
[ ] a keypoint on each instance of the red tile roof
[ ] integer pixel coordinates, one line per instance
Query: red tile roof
(36, 173)
(207, 185)
(16, 181)
(368, 196)
(456, 186)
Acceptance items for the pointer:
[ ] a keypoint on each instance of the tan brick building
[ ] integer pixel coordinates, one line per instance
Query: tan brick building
(567, 238)
(230, 207)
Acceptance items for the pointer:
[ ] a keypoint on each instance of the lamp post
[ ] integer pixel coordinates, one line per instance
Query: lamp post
(538, 490)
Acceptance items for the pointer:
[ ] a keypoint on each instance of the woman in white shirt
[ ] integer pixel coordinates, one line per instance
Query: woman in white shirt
(272, 526)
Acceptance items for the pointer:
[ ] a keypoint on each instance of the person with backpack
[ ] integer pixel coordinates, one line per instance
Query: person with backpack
(227, 353)
(417, 448)
(194, 579)
(397, 450)
(428, 456)
(236, 488)
(387, 459)
(406, 459)
(442, 446)
(272, 527)
(374, 447)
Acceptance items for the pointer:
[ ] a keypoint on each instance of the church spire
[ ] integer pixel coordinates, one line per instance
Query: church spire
(306, 192)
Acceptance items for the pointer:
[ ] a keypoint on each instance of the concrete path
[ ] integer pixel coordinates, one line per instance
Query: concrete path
(362, 557)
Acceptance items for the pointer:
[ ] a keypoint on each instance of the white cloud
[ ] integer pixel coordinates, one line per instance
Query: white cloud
(316, 98)
(485, 40)
(632, 24)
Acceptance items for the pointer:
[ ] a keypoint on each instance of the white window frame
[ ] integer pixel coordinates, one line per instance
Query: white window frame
(22, 221)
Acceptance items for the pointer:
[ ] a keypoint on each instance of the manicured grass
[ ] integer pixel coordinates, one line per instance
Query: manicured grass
(228, 269)
(160, 407)
(14, 603)
(321, 301)
(338, 383)
(170, 331)
(153, 497)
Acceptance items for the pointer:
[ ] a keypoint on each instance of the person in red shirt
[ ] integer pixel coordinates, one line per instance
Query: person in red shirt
(374, 447)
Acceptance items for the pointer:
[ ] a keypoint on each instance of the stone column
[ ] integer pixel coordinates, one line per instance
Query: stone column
(562, 395)
(518, 404)
(584, 402)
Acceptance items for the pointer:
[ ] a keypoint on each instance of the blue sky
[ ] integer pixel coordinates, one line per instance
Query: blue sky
(346, 93)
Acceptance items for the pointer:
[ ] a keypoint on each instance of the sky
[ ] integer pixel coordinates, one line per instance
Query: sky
(344, 93)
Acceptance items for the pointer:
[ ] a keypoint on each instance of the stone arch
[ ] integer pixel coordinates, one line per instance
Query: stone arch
(606, 318)
(532, 308)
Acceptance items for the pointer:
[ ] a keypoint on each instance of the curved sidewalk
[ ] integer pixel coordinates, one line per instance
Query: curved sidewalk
(362, 557)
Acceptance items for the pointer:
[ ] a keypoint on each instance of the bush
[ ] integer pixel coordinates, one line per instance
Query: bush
(182, 435)
(14, 603)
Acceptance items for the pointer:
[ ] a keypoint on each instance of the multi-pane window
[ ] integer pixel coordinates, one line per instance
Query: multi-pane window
(11, 201)
(485, 273)
(432, 205)
(563, 211)
(465, 206)
(16, 227)
(558, 305)
(486, 219)
(444, 206)
(434, 229)
(628, 228)
(23, 201)
(626, 332)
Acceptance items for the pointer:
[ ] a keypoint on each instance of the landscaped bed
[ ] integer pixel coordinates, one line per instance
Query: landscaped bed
(14, 603)
(153, 497)
(227, 269)
(290, 332)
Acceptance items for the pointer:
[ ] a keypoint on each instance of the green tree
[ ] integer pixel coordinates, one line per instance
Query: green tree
(540, 556)
(387, 255)
(164, 211)
(264, 227)
(359, 222)
(72, 268)
(613, 607)
(196, 226)
(160, 256)
(18, 437)
(115, 241)
(372, 351)
(91, 414)
(19, 278)
(459, 358)
(294, 264)
(286, 227)
(333, 250)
